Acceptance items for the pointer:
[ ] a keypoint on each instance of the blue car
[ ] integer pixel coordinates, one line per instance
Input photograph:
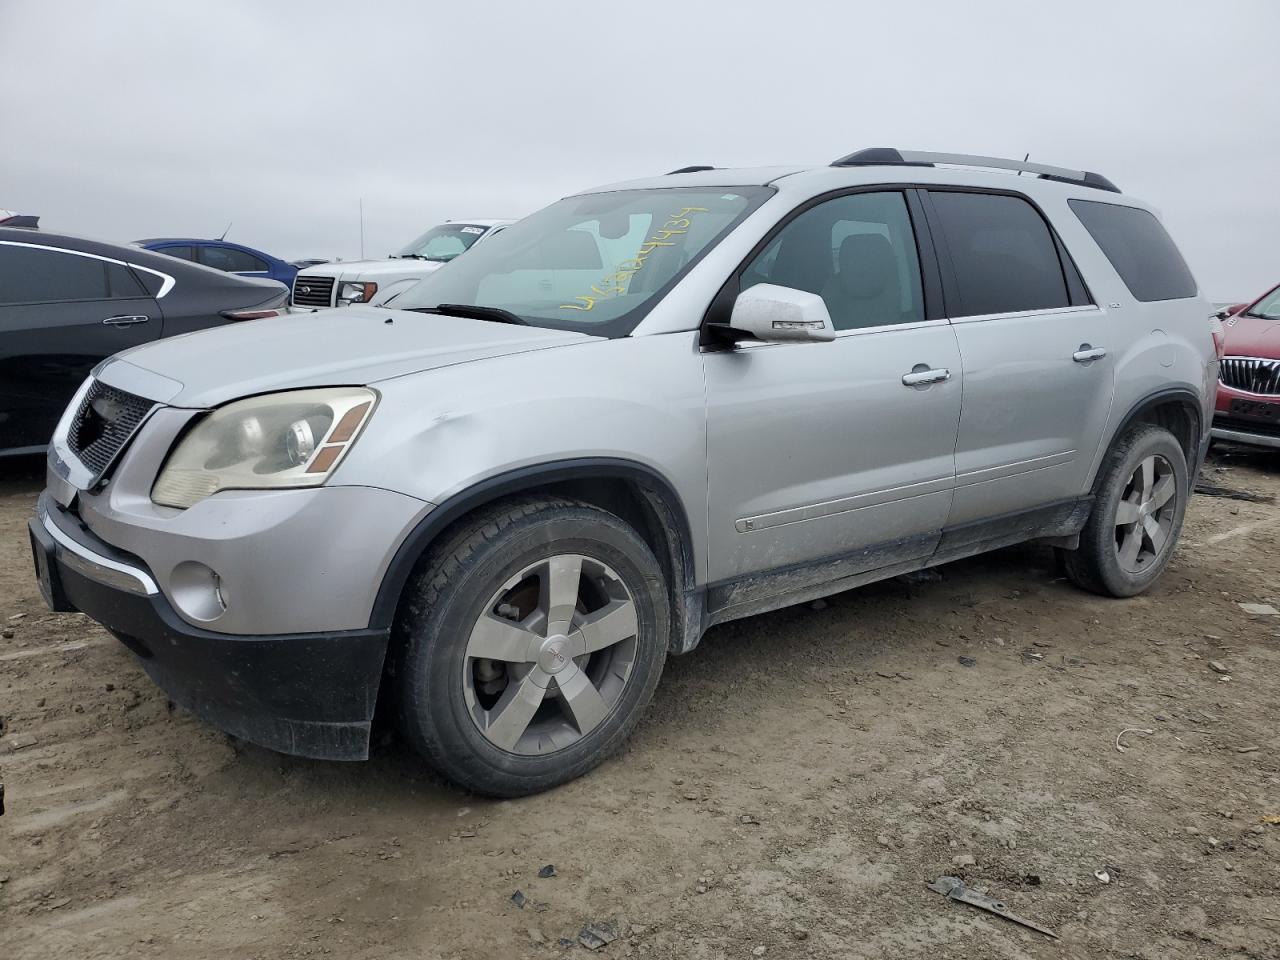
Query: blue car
(224, 255)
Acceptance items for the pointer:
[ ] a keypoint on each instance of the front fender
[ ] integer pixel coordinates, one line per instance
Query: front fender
(637, 401)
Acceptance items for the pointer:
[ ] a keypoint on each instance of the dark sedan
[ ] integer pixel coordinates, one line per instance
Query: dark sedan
(67, 303)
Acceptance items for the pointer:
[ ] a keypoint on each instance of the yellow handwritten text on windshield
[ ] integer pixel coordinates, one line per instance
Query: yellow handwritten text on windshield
(615, 284)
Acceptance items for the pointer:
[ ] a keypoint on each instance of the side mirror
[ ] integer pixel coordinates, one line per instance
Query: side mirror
(777, 314)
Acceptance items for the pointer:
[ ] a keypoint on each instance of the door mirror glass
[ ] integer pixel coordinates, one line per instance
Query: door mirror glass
(781, 314)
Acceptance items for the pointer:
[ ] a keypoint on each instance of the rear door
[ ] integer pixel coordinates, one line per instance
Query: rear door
(61, 312)
(1038, 355)
(821, 451)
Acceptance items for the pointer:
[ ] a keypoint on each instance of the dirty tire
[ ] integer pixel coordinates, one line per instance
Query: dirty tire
(1097, 565)
(454, 588)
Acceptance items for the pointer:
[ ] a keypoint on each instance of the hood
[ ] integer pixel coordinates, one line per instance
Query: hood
(374, 269)
(1252, 337)
(345, 347)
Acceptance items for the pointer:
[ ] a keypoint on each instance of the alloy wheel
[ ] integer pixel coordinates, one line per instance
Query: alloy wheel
(550, 655)
(1145, 514)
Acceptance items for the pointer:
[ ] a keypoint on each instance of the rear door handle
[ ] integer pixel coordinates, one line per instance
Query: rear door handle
(1087, 353)
(922, 376)
(128, 321)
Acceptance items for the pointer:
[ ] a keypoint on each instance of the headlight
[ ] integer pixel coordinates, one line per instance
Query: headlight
(290, 439)
(356, 292)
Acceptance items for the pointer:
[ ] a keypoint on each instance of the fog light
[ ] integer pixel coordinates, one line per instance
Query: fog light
(197, 591)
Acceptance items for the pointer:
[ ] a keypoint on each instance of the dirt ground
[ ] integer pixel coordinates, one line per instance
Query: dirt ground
(798, 781)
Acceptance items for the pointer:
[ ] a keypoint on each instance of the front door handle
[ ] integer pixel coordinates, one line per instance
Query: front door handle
(921, 376)
(1087, 353)
(127, 321)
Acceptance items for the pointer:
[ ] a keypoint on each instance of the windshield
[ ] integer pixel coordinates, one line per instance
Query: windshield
(595, 263)
(1268, 307)
(444, 242)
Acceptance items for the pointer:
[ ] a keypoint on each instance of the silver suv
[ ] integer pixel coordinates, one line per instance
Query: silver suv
(642, 411)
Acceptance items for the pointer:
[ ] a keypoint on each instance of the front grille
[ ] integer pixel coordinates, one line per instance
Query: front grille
(103, 424)
(312, 291)
(1252, 374)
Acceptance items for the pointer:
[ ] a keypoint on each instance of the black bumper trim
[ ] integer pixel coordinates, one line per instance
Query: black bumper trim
(308, 694)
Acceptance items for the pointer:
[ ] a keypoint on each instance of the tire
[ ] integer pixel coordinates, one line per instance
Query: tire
(524, 718)
(1107, 561)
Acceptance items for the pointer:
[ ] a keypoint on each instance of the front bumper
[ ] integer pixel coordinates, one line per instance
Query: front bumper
(309, 694)
(1244, 433)
(1243, 417)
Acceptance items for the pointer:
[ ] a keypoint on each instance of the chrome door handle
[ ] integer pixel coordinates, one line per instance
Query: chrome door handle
(920, 378)
(1087, 353)
(125, 321)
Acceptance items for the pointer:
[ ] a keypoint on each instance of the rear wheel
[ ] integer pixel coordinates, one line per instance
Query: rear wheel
(1137, 515)
(531, 643)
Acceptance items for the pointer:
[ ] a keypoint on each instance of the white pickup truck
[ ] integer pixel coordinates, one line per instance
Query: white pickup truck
(376, 281)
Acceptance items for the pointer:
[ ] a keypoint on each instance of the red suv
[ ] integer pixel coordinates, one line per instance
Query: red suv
(1248, 408)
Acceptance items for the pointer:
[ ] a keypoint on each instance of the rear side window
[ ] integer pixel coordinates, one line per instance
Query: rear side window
(1139, 248)
(31, 275)
(231, 260)
(1004, 256)
(182, 253)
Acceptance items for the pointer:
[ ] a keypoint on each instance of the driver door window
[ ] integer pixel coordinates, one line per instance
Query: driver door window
(857, 252)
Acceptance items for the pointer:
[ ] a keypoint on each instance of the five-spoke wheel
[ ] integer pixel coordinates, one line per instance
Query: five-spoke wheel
(1145, 514)
(529, 644)
(1139, 500)
(550, 654)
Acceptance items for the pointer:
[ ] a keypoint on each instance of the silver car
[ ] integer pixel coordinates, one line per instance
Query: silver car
(646, 409)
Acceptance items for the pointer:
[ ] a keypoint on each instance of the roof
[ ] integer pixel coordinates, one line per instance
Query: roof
(230, 243)
(710, 177)
(880, 165)
(471, 221)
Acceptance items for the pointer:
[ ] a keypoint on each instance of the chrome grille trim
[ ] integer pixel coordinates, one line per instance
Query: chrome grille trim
(1260, 375)
(312, 291)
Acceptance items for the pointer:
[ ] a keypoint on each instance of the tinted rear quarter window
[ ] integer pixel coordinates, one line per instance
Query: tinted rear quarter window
(1004, 256)
(1139, 248)
(182, 253)
(122, 284)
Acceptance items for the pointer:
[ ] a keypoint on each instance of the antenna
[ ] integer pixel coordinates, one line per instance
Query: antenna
(362, 228)
(1025, 158)
(226, 231)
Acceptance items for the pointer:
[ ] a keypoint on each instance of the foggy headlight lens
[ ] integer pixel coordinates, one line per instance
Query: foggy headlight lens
(290, 439)
(356, 292)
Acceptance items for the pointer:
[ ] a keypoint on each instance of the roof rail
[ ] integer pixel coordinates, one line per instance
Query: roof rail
(877, 156)
(696, 168)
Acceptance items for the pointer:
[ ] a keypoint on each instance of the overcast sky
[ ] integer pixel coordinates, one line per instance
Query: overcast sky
(136, 118)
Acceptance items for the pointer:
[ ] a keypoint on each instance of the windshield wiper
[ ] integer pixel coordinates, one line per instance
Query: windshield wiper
(410, 256)
(473, 312)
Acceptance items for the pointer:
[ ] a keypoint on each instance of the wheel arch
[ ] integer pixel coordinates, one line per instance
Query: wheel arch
(637, 493)
(1178, 410)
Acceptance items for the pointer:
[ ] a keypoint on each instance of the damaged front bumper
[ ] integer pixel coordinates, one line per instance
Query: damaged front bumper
(309, 694)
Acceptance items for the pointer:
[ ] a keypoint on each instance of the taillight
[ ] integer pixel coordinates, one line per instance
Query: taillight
(252, 314)
(1219, 335)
